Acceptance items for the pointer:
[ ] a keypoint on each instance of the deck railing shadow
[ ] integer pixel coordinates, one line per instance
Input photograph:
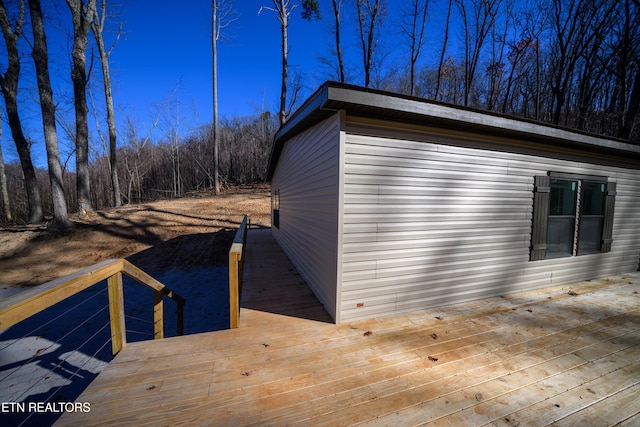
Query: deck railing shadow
(55, 338)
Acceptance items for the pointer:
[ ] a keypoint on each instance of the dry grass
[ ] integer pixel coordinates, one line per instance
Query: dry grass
(192, 231)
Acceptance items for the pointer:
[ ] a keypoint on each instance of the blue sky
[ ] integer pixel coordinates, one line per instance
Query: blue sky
(165, 49)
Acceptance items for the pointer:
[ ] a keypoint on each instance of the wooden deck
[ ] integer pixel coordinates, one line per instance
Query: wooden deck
(564, 355)
(273, 285)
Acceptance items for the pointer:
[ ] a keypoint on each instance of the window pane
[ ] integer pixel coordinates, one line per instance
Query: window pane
(560, 236)
(590, 235)
(563, 197)
(593, 198)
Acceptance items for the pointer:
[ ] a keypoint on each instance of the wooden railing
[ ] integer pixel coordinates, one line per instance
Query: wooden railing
(236, 262)
(28, 303)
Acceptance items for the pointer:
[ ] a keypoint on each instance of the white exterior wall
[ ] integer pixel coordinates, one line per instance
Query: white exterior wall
(428, 224)
(308, 179)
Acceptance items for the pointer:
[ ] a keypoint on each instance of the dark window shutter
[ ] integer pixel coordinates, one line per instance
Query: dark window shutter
(541, 190)
(607, 227)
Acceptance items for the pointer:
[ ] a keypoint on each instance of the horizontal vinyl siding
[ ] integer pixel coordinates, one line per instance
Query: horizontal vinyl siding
(429, 224)
(307, 180)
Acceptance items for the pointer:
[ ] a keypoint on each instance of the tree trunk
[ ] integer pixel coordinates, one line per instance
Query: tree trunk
(417, 16)
(337, 4)
(3, 182)
(284, 22)
(81, 18)
(216, 136)
(9, 84)
(98, 28)
(41, 60)
(367, 20)
(629, 104)
(444, 49)
(482, 19)
(633, 110)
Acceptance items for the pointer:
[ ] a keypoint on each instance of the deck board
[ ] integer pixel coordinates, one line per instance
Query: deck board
(500, 362)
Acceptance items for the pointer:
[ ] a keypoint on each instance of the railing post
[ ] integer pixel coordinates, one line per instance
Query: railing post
(234, 295)
(158, 315)
(236, 260)
(116, 312)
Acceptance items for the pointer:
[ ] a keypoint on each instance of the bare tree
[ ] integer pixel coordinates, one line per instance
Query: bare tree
(523, 57)
(594, 66)
(97, 27)
(6, 203)
(571, 21)
(222, 15)
(172, 124)
(337, 8)
(41, 60)
(478, 17)
(9, 85)
(413, 28)
(443, 51)
(81, 16)
(215, 33)
(370, 14)
(135, 163)
(283, 10)
(626, 93)
(497, 67)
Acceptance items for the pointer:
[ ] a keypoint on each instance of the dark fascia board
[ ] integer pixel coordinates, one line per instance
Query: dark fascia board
(359, 101)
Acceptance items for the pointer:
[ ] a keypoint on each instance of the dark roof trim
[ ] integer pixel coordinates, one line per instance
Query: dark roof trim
(332, 96)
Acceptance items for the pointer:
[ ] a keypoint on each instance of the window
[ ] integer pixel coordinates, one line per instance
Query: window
(572, 215)
(591, 217)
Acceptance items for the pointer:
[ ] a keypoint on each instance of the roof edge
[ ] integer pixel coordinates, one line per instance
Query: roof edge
(313, 104)
(350, 95)
(357, 100)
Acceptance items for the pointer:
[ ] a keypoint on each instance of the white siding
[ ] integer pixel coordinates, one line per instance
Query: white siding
(427, 223)
(307, 178)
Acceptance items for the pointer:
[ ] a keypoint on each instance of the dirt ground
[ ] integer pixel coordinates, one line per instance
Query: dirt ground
(196, 230)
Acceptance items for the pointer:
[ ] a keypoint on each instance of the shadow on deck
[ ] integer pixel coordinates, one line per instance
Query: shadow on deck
(563, 355)
(272, 284)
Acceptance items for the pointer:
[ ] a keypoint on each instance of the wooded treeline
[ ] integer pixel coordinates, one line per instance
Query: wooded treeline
(572, 63)
(150, 170)
(130, 163)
